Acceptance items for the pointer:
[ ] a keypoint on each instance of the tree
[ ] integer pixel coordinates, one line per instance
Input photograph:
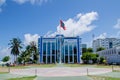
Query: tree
(100, 48)
(94, 58)
(30, 54)
(6, 58)
(84, 50)
(24, 57)
(19, 60)
(15, 45)
(90, 50)
(86, 57)
(34, 51)
(101, 60)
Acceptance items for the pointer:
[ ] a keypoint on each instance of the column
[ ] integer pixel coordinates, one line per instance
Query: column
(78, 45)
(50, 52)
(64, 53)
(46, 51)
(68, 54)
(41, 51)
(77, 50)
(60, 53)
(73, 52)
(55, 51)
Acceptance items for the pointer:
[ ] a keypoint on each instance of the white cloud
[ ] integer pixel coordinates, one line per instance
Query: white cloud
(2, 2)
(78, 25)
(30, 1)
(29, 38)
(117, 26)
(101, 36)
(4, 51)
(48, 34)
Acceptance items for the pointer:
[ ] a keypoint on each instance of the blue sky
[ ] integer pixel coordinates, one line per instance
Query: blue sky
(28, 19)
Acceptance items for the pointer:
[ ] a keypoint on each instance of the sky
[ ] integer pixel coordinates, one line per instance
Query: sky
(30, 19)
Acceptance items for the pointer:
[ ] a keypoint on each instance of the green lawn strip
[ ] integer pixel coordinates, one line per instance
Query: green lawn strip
(87, 65)
(23, 78)
(44, 65)
(3, 72)
(103, 78)
(116, 70)
(107, 66)
(77, 65)
(18, 67)
(64, 65)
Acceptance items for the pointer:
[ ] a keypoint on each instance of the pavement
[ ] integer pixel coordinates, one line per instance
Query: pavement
(60, 71)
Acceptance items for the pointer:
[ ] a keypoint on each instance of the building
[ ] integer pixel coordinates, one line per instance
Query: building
(107, 43)
(112, 55)
(84, 45)
(59, 49)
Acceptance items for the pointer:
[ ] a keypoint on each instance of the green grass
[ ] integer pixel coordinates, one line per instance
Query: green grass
(41, 65)
(64, 65)
(103, 66)
(116, 70)
(3, 72)
(87, 65)
(33, 65)
(103, 78)
(24, 78)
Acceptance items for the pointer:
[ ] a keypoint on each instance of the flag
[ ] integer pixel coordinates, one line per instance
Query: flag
(62, 25)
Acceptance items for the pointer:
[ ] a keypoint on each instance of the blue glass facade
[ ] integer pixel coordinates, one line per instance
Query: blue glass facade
(59, 49)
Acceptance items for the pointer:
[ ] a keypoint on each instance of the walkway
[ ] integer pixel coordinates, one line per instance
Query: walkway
(60, 71)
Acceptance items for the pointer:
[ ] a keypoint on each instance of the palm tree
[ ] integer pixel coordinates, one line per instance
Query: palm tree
(25, 57)
(34, 51)
(15, 45)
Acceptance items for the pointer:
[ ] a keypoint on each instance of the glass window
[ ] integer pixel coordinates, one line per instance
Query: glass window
(53, 48)
(48, 48)
(44, 48)
(70, 49)
(66, 49)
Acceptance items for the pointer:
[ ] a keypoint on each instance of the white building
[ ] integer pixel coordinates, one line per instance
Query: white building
(111, 55)
(107, 43)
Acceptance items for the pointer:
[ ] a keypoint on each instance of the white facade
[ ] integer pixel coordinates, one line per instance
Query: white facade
(111, 55)
(107, 43)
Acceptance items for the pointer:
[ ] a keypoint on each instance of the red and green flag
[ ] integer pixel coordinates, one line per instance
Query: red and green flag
(62, 25)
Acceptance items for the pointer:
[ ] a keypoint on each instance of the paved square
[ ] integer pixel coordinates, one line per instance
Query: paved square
(60, 71)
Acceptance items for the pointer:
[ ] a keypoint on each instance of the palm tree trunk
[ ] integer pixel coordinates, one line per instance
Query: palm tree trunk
(14, 58)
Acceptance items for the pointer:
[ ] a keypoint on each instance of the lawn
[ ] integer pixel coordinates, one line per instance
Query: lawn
(42, 65)
(33, 65)
(59, 65)
(103, 78)
(78, 65)
(24, 78)
(3, 72)
(66, 78)
(90, 65)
